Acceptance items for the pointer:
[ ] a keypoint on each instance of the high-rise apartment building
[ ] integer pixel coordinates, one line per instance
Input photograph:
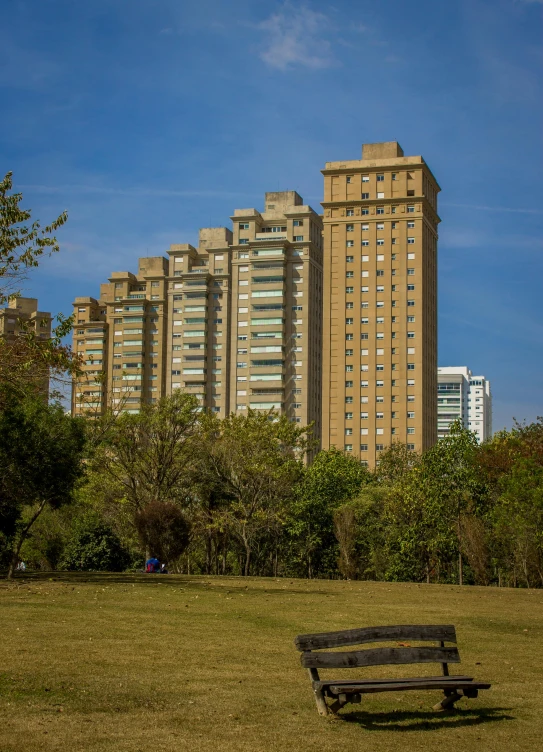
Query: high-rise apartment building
(236, 321)
(463, 396)
(380, 302)
(20, 315)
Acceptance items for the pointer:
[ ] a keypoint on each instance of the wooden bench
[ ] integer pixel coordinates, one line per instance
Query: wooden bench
(341, 692)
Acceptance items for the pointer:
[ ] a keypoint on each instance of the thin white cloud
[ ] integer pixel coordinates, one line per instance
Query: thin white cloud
(295, 36)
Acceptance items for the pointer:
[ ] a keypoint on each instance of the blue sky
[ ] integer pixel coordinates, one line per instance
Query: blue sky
(147, 119)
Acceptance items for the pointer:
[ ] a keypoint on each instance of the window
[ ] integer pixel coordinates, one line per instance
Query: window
(365, 258)
(349, 337)
(380, 178)
(380, 241)
(380, 367)
(394, 176)
(349, 178)
(380, 194)
(243, 241)
(349, 368)
(364, 384)
(379, 415)
(379, 383)
(298, 238)
(364, 212)
(364, 321)
(380, 335)
(410, 366)
(380, 225)
(364, 416)
(411, 225)
(348, 416)
(349, 275)
(348, 400)
(244, 226)
(348, 385)
(364, 289)
(350, 228)
(411, 303)
(411, 430)
(348, 447)
(410, 319)
(350, 212)
(364, 335)
(410, 272)
(380, 257)
(411, 209)
(365, 178)
(298, 223)
(380, 288)
(411, 414)
(410, 382)
(411, 287)
(410, 256)
(349, 352)
(365, 228)
(380, 273)
(365, 243)
(365, 195)
(348, 322)
(410, 335)
(379, 431)
(380, 210)
(363, 447)
(410, 241)
(350, 243)
(349, 259)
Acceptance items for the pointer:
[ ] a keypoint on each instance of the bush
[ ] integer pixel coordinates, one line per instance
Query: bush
(93, 546)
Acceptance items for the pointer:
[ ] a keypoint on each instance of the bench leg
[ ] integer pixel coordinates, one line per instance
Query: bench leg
(448, 701)
(322, 707)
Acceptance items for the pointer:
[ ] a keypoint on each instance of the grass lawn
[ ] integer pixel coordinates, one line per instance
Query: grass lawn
(161, 663)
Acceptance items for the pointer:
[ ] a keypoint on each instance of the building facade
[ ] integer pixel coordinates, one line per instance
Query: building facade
(463, 396)
(235, 321)
(380, 302)
(21, 315)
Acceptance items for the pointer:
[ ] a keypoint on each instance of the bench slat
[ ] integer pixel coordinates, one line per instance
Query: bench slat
(392, 686)
(379, 657)
(400, 680)
(433, 632)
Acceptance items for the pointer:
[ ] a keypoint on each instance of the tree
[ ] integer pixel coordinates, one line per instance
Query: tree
(41, 453)
(148, 455)
(333, 478)
(26, 360)
(163, 530)
(256, 460)
(21, 244)
(358, 526)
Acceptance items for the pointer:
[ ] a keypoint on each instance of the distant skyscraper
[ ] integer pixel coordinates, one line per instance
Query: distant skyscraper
(380, 302)
(462, 396)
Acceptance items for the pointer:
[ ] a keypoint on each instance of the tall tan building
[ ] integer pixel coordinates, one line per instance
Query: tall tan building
(380, 302)
(21, 315)
(236, 321)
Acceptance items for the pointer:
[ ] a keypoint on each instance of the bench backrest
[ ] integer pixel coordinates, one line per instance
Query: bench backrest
(311, 644)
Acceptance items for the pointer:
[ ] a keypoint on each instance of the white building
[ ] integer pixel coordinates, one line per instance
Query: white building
(461, 395)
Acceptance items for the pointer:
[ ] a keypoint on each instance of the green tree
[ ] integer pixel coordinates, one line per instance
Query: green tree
(148, 456)
(41, 452)
(358, 526)
(163, 529)
(333, 478)
(256, 459)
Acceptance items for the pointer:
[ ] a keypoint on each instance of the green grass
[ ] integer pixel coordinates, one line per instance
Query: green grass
(164, 663)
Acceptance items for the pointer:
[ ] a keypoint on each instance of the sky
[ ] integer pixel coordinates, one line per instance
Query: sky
(147, 119)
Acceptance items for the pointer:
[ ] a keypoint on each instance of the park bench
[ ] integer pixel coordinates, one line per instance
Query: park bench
(341, 692)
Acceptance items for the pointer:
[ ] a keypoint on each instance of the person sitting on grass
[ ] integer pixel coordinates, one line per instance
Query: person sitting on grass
(152, 565)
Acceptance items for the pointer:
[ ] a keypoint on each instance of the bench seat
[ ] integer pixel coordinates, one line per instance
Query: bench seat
(392, 686)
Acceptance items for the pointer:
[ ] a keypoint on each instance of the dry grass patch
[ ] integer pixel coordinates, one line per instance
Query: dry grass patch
(162, 663)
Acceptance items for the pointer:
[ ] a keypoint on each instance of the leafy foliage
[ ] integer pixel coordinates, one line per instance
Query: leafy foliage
(94, 547)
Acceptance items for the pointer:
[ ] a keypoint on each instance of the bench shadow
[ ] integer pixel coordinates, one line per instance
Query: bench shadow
(421, 720)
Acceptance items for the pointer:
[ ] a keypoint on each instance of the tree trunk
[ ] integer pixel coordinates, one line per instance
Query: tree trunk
(21, 539)
(460, 570)
(247, 560)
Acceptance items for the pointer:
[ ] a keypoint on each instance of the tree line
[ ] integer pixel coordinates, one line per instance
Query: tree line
(237, 496)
